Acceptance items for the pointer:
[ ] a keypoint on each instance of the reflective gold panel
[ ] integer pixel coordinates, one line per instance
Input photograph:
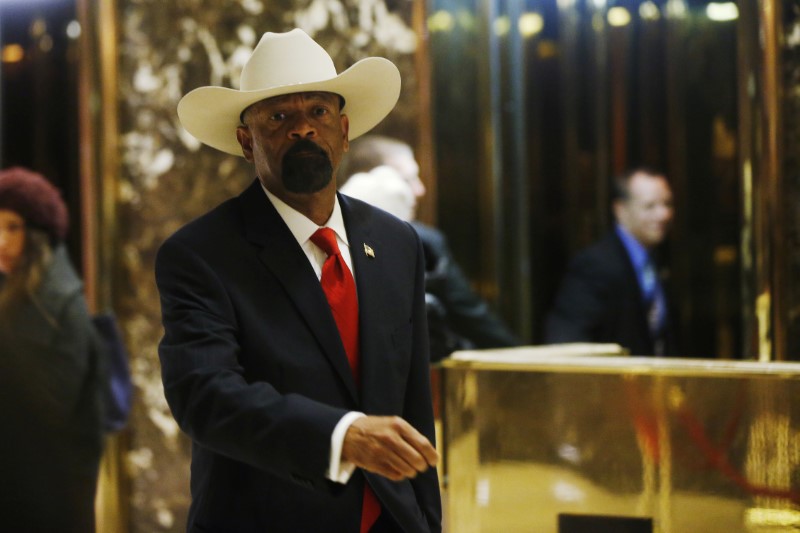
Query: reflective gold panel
(698, 446)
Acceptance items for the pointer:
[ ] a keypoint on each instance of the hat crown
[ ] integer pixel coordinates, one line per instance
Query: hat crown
(288, 63)
(282, 59)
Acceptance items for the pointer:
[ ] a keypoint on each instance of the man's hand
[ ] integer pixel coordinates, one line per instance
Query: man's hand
(389, 446)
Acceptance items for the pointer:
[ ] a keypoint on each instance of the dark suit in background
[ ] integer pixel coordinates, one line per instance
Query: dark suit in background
(458, 317)
(255, 372)
(600, 300)
(383, 172)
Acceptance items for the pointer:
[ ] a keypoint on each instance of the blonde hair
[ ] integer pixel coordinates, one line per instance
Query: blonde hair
(385, 188)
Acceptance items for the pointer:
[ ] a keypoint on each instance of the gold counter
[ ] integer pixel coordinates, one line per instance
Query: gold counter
(695, 445)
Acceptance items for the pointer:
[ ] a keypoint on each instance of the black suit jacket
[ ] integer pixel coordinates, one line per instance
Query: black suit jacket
(600, 301)
(255, 372)
(465, 312)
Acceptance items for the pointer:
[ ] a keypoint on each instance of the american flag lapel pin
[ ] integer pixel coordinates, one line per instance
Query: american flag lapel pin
(368, 251)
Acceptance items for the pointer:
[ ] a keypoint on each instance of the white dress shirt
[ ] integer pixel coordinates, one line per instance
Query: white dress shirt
(303, 228)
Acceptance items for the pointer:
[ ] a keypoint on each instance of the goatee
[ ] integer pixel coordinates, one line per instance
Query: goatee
(306, 168)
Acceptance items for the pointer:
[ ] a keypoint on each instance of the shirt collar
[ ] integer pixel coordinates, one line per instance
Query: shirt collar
(303, 227)
(636, 251)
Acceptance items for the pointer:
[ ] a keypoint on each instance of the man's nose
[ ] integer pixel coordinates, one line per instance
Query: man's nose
(302, 128)
(418, 187)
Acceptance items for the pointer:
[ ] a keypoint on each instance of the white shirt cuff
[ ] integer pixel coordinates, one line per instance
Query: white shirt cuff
(338, 470)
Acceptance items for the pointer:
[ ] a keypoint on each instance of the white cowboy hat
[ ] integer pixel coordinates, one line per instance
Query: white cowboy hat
(285, 63)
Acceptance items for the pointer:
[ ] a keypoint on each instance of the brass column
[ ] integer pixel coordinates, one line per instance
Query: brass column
(763, 241)
(99, 168)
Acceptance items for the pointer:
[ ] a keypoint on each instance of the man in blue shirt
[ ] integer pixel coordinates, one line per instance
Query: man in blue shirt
(613, 291)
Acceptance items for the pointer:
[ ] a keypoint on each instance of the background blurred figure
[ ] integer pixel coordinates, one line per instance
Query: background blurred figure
(50, 387)
(373, 150)
(384, 173)
(614, 290)
(385, 188)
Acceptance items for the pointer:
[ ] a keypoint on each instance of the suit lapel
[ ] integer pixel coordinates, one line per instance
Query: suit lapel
(282, 255)
(366, 246)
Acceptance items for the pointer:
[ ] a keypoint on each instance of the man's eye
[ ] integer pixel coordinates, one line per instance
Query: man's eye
(321, 111)
(278, 116)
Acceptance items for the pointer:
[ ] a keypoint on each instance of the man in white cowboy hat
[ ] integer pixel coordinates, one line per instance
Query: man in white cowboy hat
(295, 348)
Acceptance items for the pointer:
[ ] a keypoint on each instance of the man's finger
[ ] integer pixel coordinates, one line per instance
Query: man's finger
(422, 445)
(388, 446)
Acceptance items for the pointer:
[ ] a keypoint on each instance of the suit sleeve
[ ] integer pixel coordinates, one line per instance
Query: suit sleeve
(419, 402)
(285, 434)
(468, 313)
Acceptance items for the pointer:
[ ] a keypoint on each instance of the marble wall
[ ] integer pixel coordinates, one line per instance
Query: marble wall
(167, 178)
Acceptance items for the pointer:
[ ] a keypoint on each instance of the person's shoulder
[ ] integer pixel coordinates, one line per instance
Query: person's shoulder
(61, 289)
(607, 245)
(605, 256)
(208, 236)
(61, 282)
(366, 221)
(429, 234)
(212, 221)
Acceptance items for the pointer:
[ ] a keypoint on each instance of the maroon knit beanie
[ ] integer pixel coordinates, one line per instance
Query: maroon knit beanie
(35, 199)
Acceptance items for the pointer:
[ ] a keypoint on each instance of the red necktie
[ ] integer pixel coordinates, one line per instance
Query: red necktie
(340, 290)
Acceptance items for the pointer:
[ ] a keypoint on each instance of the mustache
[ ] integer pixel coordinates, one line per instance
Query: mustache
(305, 146)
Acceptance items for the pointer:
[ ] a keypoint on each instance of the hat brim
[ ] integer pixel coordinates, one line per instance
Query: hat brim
(370, 88)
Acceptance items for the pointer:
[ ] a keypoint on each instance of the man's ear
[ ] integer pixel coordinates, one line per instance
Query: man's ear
(346, 132)
(245, 141)
(618, 208)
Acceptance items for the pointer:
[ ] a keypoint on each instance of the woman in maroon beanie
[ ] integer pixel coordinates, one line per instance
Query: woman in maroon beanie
(50, 394)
